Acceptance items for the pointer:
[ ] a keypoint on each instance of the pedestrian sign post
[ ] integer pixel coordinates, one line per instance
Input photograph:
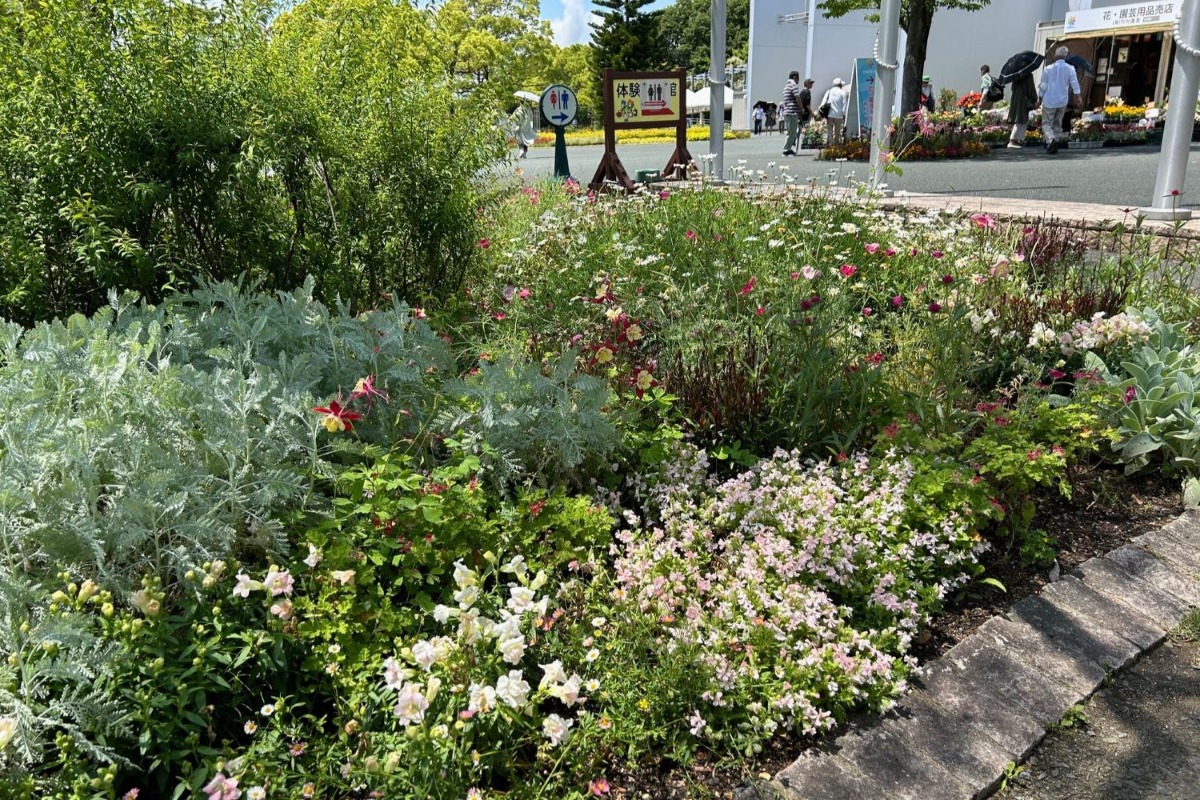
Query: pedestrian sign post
(559, 107)
(643, 100)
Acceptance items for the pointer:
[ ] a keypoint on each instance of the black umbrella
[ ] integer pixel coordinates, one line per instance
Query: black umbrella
(1079, 62)
(1020, 65)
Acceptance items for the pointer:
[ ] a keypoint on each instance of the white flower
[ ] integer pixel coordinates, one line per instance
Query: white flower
(849, 227)
(516, 565)
(697, 723)
(267, 710)
(521, 599)
(468, 626)
(8, 731)
(410, 705)
(250, 727)
(556, 728)
(314, 557)
(256, 793)
(592, 685)
(245, 586)
(466, 596)
(554, 674)
(482, 698)
(599, 622)
(394, 675)
(442, 613)
(513, 689)
(512, 650)
(343, 576)
(424, 654)
(592, 655)
(464, 577)
(569, 691)
(278, 582)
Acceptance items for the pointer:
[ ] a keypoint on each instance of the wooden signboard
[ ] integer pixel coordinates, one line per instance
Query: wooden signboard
(643, 100)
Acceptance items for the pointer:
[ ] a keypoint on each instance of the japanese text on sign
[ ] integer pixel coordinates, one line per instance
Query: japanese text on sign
(1099, 19)
(646, 100)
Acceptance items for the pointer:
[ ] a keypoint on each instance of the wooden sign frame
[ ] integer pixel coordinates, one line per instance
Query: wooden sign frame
(611, 169)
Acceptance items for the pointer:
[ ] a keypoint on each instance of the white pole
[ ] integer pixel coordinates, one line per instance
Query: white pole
(808, 45)
(716, 94)
(886, 64)
(1177, 135)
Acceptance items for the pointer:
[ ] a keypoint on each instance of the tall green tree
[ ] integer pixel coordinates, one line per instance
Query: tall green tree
(574, 66)
(626, 38)
(686, 31)
(916, 18)
(493, 47)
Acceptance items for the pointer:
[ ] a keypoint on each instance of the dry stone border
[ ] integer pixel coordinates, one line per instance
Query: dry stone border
(987, 702)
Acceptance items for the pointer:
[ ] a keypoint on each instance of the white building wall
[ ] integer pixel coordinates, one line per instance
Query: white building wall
(959, 43)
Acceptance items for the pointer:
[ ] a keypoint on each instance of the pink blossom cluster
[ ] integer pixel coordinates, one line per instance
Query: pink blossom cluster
(799, 585)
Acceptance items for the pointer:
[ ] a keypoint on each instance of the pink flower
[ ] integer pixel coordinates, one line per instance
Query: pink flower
(1057, 373)
(794, 275)
(222, 788)
(760, 311)
(983, 220)
(524, 294)
(866, 312)
(889, 252)
(690, 236)
(664, 194)
(1130, 395)
(278, 582)
(598, 787)
(871, 248)
(749, 286)
(934, 307)
(810, 272)
(499, 316)
(419, 313)
(937, 254)
(848, 270)
(897, 301)
(947, 279)
(366, 388)
(484, 244)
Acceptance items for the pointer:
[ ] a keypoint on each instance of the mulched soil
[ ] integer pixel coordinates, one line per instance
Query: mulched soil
(1106, 510)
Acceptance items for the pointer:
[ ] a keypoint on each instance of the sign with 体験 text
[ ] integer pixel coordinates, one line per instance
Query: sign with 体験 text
(646, 99)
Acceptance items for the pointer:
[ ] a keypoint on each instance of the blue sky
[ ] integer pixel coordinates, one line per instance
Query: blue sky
(569, 19)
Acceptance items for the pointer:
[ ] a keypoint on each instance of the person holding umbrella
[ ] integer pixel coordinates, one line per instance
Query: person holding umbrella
(1018, 73)
(1059, 86)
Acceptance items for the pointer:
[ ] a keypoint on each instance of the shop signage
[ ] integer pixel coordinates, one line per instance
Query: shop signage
(1112, 18)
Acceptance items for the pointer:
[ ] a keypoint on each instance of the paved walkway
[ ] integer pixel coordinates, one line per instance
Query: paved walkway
(986, 704)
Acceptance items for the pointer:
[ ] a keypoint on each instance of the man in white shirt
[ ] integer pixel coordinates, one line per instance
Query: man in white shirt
(839, 105)
(1059, 86)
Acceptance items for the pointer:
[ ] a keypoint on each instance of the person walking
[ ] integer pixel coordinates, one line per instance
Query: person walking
(806, 109)
(790, 110)
(838, 101)
(985, 84)
(1020, 106)
(1059, 86)
(759, 116)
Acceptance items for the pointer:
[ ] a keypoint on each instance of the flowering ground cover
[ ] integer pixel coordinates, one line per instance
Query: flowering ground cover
(676, 473)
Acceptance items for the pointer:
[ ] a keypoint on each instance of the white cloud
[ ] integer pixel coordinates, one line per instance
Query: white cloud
(572, 27)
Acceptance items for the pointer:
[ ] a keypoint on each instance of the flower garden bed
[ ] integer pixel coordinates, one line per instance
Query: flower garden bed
(692, 478)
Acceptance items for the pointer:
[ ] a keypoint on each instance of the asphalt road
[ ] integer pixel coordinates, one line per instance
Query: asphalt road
(1118, 176)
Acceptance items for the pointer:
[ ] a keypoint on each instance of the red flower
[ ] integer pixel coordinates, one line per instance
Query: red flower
(848, 270)
(536, 507)
(947, 279)
(937, 254)
(897, 301)
(760, 311)
(484, 244)
(337, 417)
(748, 287)
(691, 236)
(866, 312)
(1057, 373)
(366, 388)
(1130, 395)
(934, 307)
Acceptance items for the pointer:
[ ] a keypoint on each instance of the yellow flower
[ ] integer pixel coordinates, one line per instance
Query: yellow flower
(604, 355)
(643, 704)
(333, 424)
(645, 380)
(634, 333)
(614, 314)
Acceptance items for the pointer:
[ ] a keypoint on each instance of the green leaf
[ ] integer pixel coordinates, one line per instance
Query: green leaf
(994, 583)
(1191, 492)
(1139, 445)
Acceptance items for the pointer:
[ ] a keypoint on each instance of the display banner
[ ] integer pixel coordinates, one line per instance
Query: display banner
(1101, 20)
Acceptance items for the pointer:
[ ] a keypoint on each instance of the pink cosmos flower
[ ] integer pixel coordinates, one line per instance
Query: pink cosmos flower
(524, 294)
(935, 307)
(484, 244)
(794, 275)
(947, 279)
(664, 194)
(748, 287)
(897, 301)
(848, 270)
(866, 312)
(889, 252)
(983, 220)
(937, 254)
(810, 272)
(871, 248)
(690, 236)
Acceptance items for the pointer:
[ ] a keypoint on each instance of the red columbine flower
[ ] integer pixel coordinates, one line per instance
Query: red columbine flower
(366, 388)
(748, 287)
(337, 417)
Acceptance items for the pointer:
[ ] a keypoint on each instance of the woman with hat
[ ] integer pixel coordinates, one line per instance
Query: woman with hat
(927, 93)
(837, 101)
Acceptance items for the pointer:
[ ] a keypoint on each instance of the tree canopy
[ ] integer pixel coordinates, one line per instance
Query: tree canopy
(685, 28)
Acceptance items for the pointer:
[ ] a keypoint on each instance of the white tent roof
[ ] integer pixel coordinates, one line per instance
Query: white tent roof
(702, 100)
